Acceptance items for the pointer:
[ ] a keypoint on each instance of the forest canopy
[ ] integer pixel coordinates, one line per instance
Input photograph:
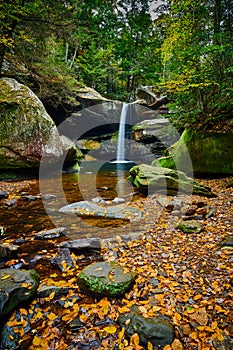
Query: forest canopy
(183, 49)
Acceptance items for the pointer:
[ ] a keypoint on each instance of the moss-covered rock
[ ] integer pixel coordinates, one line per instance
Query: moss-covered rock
(189, 226)
(105, 279)
(16, 286)
(26, 130)
(210, 153)
(149, 179)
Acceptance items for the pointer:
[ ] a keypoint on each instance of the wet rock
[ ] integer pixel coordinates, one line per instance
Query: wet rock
(210, 212)
(225, 344)
(31, 198)
(3, 195)
(105, 279)
(76, 324)
(63, 256)
(156, 330)
(10, 334)
(16, 286)
(189, 226)
(44, 291)
(51, 234)
(190, 210)
(90, 209)
(118, 200)
(48, 196)
(85, 244)
(98, 200)
(11, 202)
(8, 250)
(227, 242)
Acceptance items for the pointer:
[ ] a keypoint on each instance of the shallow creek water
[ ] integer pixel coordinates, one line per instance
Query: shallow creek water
(30, 213)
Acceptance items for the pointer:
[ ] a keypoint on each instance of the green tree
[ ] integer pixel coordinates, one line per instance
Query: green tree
(197, 60)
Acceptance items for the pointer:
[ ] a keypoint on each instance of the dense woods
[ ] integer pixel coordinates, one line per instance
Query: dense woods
(182, 48)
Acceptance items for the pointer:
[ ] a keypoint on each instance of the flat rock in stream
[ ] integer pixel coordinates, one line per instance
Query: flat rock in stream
(89, 209)
(51, 234)
(83, 244)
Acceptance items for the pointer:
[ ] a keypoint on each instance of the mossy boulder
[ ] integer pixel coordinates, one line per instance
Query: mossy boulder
(26, 130)
(189, 226)
(210, 153)
(105, 279)
(16, 286)
(149, 179)
(156, 330)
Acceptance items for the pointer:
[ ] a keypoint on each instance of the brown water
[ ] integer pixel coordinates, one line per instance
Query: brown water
(30, 216)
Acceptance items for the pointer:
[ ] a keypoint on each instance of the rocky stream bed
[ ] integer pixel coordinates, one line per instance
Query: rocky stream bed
(162, 282)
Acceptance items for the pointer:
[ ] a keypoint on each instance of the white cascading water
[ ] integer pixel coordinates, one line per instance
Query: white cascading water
(121, 135)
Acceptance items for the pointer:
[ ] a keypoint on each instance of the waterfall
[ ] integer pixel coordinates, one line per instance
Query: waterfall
(121, 136)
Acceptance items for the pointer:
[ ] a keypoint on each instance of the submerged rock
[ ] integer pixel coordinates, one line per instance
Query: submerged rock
(156, 330)
(16, 286)
(105, 279)
(156, 179)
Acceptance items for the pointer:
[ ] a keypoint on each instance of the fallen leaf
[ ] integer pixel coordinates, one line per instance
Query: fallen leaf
(110, 329)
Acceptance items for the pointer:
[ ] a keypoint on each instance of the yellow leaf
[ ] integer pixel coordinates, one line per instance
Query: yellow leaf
(5, 277)
(52, 316)
(123, 309)
(167, 347)
(193, 335)
(36, 341)
(52, 295)
(121, 334)
(149, 346)
(176, 345)
(54, 275)
(26, 285)
(110, 329)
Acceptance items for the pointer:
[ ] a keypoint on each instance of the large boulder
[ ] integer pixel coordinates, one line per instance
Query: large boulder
(210, 153)
(26, 130)
(149, 179)
(105, 279)
(16, 286)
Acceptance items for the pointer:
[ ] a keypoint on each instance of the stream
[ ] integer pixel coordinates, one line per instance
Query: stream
(33, 205)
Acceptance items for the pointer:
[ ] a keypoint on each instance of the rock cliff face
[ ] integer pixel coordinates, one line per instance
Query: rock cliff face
(210, 153)
(26, 129)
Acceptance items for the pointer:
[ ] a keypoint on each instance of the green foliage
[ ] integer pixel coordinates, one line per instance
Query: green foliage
(198, 62)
